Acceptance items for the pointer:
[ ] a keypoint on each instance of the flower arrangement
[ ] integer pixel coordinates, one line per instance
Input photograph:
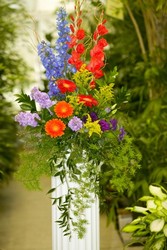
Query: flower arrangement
(77, 119)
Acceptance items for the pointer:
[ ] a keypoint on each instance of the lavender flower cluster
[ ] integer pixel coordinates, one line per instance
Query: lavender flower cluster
(75, 124)
(27, 119)
(41, 98)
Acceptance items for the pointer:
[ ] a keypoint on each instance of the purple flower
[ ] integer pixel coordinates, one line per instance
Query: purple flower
(75, 123)
(104, 125)
(27, 119)
(121, 134)
(42, 98)
(94, 117)
(114, 124)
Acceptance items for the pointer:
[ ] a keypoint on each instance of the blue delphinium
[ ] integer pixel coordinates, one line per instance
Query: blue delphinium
(55, 60)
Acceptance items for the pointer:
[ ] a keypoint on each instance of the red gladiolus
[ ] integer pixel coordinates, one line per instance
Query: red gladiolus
(102, 30)
(97, 52)
(95, 64)
(102, 43)
(98, 74)
(72, 42)
(80, 34)
(80, 48)
(66, 85)
(79, 21)
(95, 35)
(75, 60)
(88, 100)
(72, 28)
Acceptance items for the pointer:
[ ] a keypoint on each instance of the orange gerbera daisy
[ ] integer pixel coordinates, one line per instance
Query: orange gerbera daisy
(63, 109)
(55, 128)
(88, 100)
(66, 85)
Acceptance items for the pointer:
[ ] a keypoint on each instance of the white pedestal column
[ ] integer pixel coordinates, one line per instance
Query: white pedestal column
(89, 242)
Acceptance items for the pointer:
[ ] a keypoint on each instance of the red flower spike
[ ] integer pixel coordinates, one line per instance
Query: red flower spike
(95, 35)
(73, 41)
(102, 30)
(66, 85)
(72, 28)
(88, 100)
(95, 65)
(102, 43)
(98, 74)
(104, 21)
(80, 48)
(80, 34)
(72, 18)
(79, 21)
(97, 52)
(75, 60)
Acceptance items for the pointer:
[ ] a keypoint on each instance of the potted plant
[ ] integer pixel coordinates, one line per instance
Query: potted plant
(149, 228)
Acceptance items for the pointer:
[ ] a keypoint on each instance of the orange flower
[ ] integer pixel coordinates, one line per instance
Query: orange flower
(63, 109)
(55, 128)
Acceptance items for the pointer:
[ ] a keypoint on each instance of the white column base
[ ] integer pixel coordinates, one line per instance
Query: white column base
(91, 241)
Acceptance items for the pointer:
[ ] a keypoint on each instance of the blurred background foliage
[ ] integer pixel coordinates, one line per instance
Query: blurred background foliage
(13, 73)
(138, 47)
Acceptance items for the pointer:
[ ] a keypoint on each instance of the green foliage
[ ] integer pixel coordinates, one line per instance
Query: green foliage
(8, 142)
(33, 158)
(13, 72)
(150, 227)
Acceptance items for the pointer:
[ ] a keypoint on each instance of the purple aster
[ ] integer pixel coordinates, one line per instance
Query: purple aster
(27, 119)
(114, 124)
(42, 98)
(75, 123)
(104, 125)
(121, 134)
(93, 116)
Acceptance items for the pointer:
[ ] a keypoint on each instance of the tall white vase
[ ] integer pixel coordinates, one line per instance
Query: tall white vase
(90, 241)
